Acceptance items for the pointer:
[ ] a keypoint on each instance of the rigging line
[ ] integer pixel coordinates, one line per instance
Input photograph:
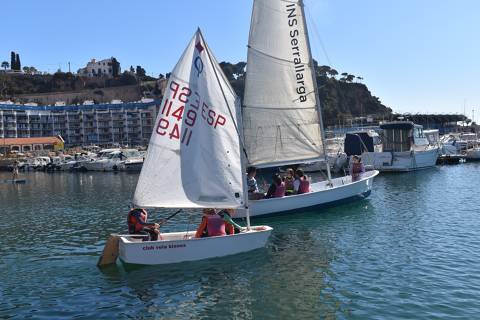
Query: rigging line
(317, 34)
(277, 58)
(223, 94)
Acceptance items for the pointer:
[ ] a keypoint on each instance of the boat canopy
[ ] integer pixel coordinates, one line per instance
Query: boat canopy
(358, 142)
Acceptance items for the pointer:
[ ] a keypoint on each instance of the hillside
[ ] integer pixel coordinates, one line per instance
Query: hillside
(340, 98)
(73, 89)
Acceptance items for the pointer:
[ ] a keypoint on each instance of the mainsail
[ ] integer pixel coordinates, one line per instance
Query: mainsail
(281, 123)
(193, 157)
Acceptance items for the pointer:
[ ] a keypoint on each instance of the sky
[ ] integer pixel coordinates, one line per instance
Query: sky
(417, 56)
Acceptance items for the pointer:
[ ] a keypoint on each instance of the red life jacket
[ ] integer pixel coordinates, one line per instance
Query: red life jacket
(215, 225)
(279, 191)
(304, 186)
(134, 223)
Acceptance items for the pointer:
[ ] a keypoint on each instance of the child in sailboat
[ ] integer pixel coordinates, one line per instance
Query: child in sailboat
(277, 188)
(137, 224)
(301, 183)
(216, 224)
(289, 180)
(356, 168)
(253, 193)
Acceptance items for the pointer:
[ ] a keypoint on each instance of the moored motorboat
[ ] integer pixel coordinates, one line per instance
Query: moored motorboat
(404, 148)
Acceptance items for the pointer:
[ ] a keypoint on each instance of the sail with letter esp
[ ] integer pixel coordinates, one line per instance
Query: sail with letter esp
(193, 158)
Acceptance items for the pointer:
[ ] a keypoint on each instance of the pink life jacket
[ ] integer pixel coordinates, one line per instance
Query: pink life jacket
(215, 225)
(304, 186)
(279, 191)
(356, 170)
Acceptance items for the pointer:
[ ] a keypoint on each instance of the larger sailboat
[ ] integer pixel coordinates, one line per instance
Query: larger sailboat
(282, 120)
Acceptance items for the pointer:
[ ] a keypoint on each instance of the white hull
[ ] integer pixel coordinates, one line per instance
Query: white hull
(401, 161)
(133, 166)
(104, 165)
(321, 195)
(473, 154)
(182, 246)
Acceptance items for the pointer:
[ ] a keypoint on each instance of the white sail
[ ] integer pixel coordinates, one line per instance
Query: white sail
(193, 157)
(280, 113)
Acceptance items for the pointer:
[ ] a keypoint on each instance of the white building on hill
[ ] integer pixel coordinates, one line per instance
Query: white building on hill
(98, 68)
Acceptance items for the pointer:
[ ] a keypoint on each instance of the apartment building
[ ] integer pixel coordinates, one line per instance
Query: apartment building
(99, 124)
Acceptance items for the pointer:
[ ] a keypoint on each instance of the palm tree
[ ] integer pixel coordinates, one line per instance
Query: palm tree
(5, 65)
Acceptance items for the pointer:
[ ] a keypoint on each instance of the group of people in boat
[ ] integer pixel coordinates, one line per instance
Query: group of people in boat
(219, 222)
(214, 223)
(294, 182)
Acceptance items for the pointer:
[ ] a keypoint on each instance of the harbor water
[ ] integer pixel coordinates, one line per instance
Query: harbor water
(409, 251)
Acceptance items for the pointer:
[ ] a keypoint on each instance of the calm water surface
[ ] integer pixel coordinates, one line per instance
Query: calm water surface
(410, 251)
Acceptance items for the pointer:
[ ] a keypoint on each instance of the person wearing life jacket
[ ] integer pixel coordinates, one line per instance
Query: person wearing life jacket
(356, 168)
(137, 224)
(277, 188)
(253, 192)
(289, 180)
(213, 224)
(301, 183)
(227, 214)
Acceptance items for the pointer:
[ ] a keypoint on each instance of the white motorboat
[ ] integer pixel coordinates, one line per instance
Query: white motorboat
(104, 161)
(404, 148)
(37, 163)
(449, 146)
(133, 164)
(473, 154)
(282, 120)
(186, 152)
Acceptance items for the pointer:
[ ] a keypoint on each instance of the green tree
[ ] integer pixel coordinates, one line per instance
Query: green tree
(18, 64)
(12, 61)
(140, 72)
(115, 67)
(333, 72)
(132, 70)
(350, 78)
(5, 65)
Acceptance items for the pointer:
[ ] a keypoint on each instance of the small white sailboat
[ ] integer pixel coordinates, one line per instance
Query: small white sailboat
(194, 160)
(282, 120)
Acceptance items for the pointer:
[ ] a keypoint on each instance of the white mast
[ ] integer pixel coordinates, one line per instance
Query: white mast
(317, 100)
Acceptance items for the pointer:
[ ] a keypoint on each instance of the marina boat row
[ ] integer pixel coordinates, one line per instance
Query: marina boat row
(105, 160)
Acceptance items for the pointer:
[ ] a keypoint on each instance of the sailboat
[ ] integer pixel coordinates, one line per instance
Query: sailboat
(282, 121)
(194, 160)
